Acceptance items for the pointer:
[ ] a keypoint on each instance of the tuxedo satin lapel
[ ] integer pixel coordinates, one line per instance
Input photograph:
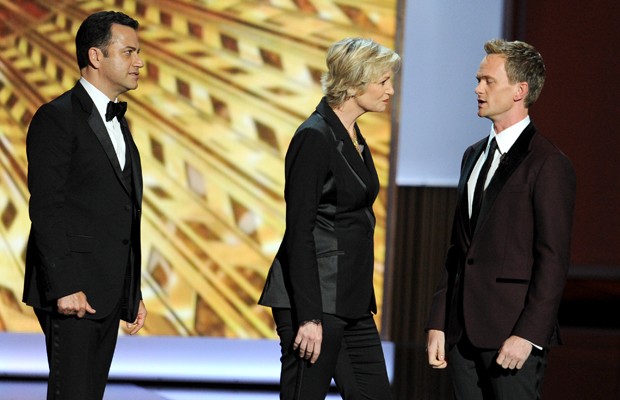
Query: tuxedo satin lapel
(354, 161)
(135, 160)
(470, 162)
(345, 147)
(370, 168)
(508, 164)
(345, 153)
(96, 124)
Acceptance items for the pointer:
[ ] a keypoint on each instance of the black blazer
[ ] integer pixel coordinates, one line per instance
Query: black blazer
(507, 274)
(326, 260)
(85, 214)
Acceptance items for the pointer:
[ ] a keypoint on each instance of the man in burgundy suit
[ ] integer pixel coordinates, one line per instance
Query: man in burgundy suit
(494, 314)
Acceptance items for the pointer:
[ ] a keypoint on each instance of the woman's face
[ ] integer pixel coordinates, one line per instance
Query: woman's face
(377, 95)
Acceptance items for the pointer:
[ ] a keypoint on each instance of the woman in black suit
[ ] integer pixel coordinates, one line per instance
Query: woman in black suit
(320, 283)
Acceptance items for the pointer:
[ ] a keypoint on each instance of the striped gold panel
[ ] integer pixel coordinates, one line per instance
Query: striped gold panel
(225, 85)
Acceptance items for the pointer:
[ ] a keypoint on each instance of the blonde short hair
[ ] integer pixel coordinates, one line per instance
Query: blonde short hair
(352, 64)
(523, 64)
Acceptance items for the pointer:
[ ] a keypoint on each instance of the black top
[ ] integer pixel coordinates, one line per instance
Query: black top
(326, 259)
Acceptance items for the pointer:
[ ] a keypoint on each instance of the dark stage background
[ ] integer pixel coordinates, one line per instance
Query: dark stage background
(578, 110)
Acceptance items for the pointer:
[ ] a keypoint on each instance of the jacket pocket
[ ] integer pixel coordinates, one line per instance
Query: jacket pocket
(330, 253)
(81, 243)
(517, 188)
(513, 280)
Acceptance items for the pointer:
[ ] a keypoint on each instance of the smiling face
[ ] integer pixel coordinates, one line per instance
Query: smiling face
(498, 99)
(377, 95)
(118, 70)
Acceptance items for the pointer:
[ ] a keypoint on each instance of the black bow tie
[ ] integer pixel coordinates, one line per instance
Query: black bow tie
(115, 110)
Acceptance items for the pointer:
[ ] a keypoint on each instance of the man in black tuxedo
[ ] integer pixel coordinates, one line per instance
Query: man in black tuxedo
(494, 314)
(85, 180)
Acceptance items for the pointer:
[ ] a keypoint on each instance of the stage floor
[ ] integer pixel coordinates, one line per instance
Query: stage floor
(35, 390)
(161, 368)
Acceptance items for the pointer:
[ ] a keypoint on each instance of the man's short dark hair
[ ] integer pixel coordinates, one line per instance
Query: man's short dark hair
(95, 32)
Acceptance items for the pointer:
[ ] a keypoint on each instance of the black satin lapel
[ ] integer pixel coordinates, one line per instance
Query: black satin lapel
(356, 165)
(355, 161)
(360, 168)
(96, 124)
(135, 160)
(462, 191)
(507, 166)
(369, 163)
(341, 147)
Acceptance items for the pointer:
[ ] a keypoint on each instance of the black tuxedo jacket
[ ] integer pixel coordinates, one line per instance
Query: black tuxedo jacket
(85, 213)
(326, 259)
(506, 276)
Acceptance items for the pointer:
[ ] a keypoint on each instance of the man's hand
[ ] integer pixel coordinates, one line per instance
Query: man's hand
(139, 322)
(514, 352)
(436, 349)
(74, 304)
(308, 341)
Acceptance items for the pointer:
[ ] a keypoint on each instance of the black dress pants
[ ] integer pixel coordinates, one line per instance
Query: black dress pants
(351, 354)
(477, 376)
(79, 354)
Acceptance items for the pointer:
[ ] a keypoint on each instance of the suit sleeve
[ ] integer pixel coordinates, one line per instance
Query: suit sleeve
(49, 146)
(307, 167)
(553, 200)
(439, 303)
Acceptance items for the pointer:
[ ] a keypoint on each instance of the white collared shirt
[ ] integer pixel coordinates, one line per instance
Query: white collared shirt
(113, 127)
(505, 139)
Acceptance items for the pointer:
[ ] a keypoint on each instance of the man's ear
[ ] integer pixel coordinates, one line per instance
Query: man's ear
(94, 57)
(522, 90)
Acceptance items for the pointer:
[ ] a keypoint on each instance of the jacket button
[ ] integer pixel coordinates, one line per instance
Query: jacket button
(127, 208)
(470, 261)
(125, 241)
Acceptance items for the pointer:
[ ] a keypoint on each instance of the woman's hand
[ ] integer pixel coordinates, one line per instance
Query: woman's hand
(308, 340)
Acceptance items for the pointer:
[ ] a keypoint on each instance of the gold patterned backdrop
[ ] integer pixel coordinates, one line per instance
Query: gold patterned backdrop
(225, 85)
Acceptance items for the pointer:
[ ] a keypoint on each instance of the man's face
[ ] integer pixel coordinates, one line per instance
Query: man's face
(120, 69)
(496, 95)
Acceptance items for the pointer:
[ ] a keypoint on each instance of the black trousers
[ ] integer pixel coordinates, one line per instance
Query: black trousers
(79, 354)
(476, 375)
(351, 354)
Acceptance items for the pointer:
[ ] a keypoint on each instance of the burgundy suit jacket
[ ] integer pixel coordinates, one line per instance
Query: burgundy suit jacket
(506, 276)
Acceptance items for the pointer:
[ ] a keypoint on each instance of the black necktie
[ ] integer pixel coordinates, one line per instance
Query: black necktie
(479, 190)
(115, 110)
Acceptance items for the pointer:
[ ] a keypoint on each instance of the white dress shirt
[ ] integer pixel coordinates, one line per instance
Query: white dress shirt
(113, 127)
(505, 139)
